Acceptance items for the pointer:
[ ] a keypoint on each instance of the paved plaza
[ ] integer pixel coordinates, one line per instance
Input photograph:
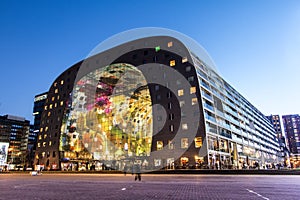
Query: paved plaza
(118, 186)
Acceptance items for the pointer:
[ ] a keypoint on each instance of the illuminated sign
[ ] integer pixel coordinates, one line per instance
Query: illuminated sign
(39, 98)
(3, 152)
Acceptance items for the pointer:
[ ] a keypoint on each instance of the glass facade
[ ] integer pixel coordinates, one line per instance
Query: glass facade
(111, 117)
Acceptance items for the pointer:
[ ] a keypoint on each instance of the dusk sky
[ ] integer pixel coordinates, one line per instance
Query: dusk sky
(254, 43)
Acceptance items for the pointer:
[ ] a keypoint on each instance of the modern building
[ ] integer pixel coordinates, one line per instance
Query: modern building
(14, 133)
(38, 107)
(284, 152)
(150, 96)
(291, 125)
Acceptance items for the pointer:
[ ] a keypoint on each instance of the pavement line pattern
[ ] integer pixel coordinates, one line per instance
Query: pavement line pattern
(251, 191)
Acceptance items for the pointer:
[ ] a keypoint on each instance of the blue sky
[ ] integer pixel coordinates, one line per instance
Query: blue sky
(254, 43)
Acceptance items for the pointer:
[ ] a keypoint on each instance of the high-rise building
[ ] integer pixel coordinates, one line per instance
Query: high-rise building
(156, 100)
(291, 125)
(38, 107)
(284, 152)
(14, 133)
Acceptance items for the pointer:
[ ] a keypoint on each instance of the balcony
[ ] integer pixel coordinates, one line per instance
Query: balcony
(226, 134)
(209, 107)
(205, 85)
(211, 118)
(207, 96)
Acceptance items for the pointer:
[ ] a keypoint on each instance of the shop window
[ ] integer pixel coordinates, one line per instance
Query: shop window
(157, 162)
(170, 44)
(184, 143)
(194, 101)
(180, 92)
(159, 145)
(184, 59)
(198, 142)
(192, 90)
(172, 63)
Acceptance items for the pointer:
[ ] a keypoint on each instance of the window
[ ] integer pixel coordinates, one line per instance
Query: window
(57, 97)
(50, 106)
(170, 105)
(159, 118)
(61, 103)
(46, 129)
(191, 78)
(198, 142)
(172, 63)
(44, 144)
(184, 127)
(50, 143)
(192, 90)
(184, 59)
(171, 116)
(188, 68)
(180, 92)
(170, 144)
(62, 82)
(43, 154)
(156, 87)
(56, 91)
(40, 137)
(45, 136)
(45, 108)
(172, 128)
(170, 44)
(49, 113)
(169, 95)
(55, 84)
(194, 101)
(39, 145)
(159, 145)
(181, 103)
(184, 143)
(53, 154)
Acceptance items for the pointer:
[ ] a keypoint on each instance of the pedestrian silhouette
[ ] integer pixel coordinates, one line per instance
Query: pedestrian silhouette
(137, 172)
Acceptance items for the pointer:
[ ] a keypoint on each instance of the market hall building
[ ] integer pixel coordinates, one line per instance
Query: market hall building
(153, 97)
